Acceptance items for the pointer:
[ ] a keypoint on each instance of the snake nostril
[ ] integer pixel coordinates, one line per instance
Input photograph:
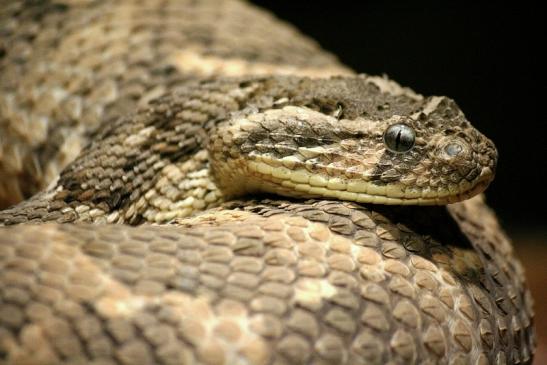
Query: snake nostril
(453, 149)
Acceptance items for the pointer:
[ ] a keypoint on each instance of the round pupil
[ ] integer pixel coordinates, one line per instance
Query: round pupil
(399, 138)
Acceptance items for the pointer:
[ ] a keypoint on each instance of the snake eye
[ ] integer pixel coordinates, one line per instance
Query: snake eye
(399, 138)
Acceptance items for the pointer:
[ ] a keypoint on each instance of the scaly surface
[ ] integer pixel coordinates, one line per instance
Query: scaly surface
(248, 282)
(268, 282)
(68, 66)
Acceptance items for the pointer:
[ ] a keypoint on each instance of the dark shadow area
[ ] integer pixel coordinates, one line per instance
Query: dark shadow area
(434, 222)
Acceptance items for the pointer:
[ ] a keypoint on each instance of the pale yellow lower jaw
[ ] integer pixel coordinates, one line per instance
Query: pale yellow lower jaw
(319, 192)
(302, 183)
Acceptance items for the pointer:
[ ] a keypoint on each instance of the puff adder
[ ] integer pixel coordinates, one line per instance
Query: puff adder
(172, 119)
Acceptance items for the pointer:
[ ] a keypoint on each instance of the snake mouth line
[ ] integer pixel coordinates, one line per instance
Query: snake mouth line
(301, 183)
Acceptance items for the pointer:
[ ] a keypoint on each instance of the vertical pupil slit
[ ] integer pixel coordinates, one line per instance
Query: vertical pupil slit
(398, 139)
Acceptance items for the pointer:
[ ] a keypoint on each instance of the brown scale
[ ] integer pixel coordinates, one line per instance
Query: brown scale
(108, 59)
(271, 282)
(114, 175)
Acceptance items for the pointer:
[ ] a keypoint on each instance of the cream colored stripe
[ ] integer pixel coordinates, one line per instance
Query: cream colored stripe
(191, 61)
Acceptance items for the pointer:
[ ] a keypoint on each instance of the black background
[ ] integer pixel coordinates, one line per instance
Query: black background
(485, 57)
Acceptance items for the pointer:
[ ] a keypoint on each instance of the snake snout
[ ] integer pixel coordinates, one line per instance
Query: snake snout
(485, 157)
(488, 159)
(492, 153)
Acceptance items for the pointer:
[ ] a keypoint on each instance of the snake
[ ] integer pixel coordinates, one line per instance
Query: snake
(196, 182)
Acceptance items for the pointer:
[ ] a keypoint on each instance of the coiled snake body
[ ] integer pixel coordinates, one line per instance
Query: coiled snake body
(187, 109)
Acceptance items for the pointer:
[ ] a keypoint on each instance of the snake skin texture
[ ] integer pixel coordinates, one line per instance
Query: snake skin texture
(67, 66)
(258, 144)
(156, 93)
(269, 282)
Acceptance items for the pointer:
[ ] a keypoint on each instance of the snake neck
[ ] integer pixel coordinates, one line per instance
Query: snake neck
(114, 178)
(152, 165)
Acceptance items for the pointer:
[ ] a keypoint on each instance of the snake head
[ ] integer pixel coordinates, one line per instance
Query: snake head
(363, 139)
(433, 156)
